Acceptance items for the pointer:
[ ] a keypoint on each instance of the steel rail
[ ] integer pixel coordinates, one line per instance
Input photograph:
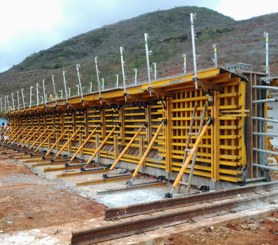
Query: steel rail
(116, 213)
(156, 220)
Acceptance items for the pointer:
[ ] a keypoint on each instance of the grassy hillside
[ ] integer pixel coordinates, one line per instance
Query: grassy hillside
(169, 38)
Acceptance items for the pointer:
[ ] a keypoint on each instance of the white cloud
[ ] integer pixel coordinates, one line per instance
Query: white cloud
(240, 10)
(32, 25)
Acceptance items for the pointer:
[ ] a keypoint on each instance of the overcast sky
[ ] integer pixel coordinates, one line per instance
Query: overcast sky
(28, 26)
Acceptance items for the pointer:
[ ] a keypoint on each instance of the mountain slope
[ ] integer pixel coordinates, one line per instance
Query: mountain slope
(169, 38)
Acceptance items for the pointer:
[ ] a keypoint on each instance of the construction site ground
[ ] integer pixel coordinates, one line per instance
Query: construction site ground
(37, 208)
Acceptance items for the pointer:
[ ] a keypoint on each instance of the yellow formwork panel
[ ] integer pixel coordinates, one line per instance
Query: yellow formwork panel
(221, 153)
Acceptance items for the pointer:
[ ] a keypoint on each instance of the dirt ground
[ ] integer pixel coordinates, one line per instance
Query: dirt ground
(28, 201)
(251, 232)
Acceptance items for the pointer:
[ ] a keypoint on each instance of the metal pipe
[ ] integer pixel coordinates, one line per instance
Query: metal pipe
(65, 85)
(37, 93)
(123, 71)
(44, 93)
(98, 81)
(54, 89)
(117, 80)
(17, 98)
(184, 63)
(23, 98)
(265, 119)
(265, 134)
(146, 36)
(265, 87)
(13, 101)
(264, 100)
(215, 55)
(192, 17)
(266, 54)
(265, 167)
(265, 151)
(1, 103)
(79, 80)
(31, 94)
(135, 75)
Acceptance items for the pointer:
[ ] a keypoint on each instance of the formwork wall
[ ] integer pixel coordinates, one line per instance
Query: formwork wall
(221, 154)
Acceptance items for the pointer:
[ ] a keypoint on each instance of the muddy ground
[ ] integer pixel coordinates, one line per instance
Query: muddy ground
(30, 202)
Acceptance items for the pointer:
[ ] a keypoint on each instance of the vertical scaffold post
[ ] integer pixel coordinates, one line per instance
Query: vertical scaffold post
(154, 70)
(5, 104)
(79, 80)
(13, 101)
(98, 81)
(123, 71)
(102, 83)
(44, 92)
(54, 89)
(195, 78)
(135, 75)
(23, 98)
(146, 36)
(117, 80)
(1, 104)
(215, 61)
(37, 94)
(184, 63)
(18, 101)
(65, 86)
(8, 103)
(31, 94)
(266, 54)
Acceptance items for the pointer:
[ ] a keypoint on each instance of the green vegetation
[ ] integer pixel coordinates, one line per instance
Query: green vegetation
(169, 38)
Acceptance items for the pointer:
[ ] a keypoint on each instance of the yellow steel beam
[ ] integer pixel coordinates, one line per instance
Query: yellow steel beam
(15, 134)
(47, 137)
(147, 150)
(126, 148)
(68, 141)
(99, 147)
(56, 143)
(40, 136)
(84, 143)
(12, 134)
(189, 157)
(18, 136)
(29, 139)
(26, 136)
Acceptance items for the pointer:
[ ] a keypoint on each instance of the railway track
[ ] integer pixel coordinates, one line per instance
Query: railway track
(129, 220)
